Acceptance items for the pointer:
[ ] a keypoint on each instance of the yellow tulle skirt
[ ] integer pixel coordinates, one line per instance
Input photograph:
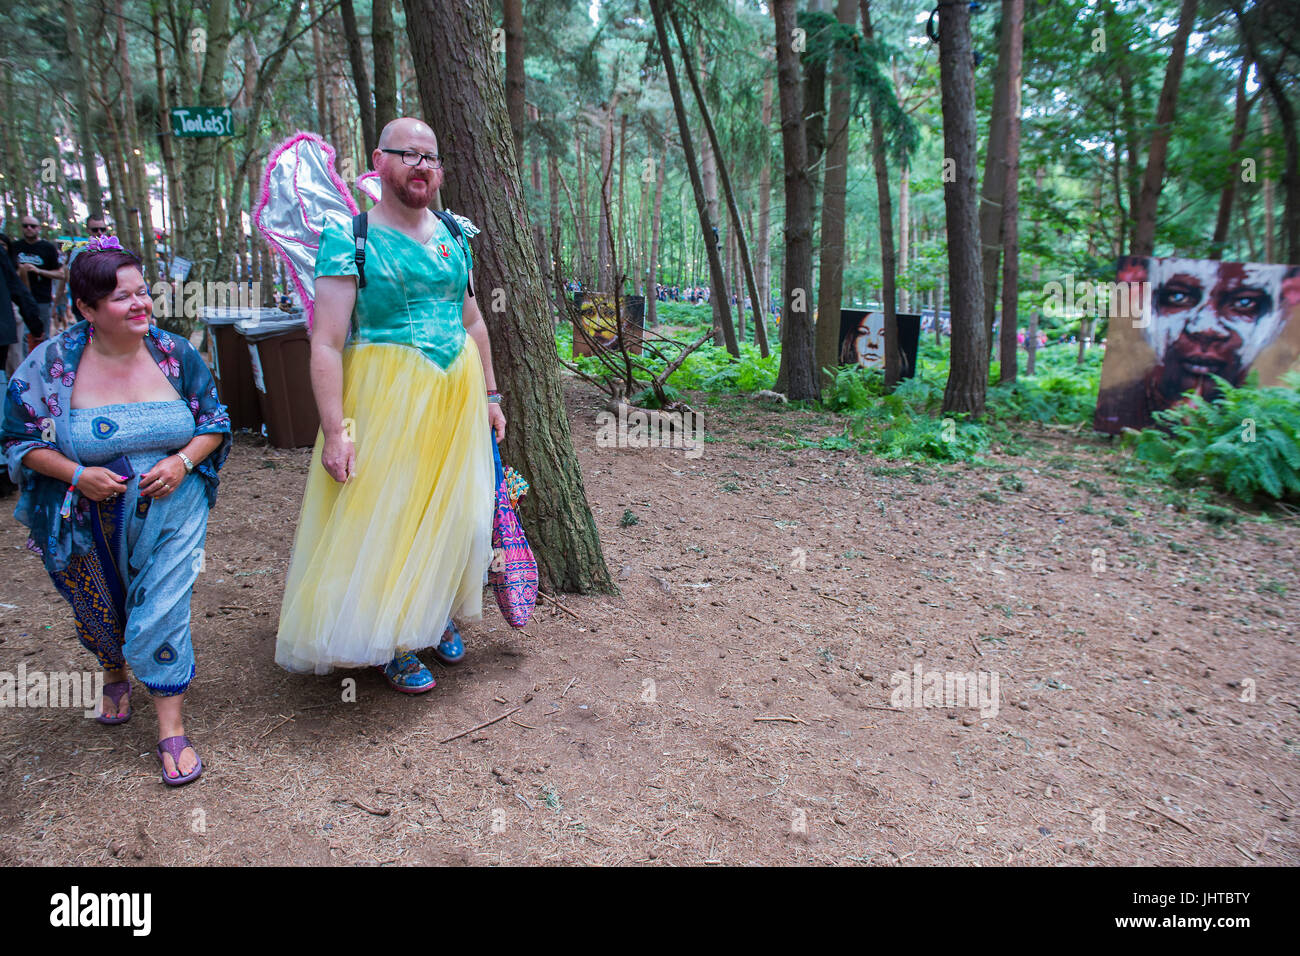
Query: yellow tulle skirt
(382, 562)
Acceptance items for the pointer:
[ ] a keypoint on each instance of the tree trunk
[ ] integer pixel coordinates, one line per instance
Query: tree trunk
(514, 29)
(814, 111)
(1031, 342)
(652, 273)
(557, 260)
(709, 176)
(742, 241)
(1144, 235)
(200, 176)
(708, 230)
(620, 237)
(830, 285)
(888, 256)
(765, 211)
(995, 174)
(357, 58)
(605, 238)
(1275, 83)
(797, 374)
(904, 231)
(381, 38)
(582, 216)
(1240, 114)
(1013, 12)
(1269, 226)
(462, 91)
(93, 192)
(968, 372)
(164, 132)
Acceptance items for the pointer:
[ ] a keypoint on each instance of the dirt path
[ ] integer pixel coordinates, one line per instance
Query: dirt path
(1124, 637)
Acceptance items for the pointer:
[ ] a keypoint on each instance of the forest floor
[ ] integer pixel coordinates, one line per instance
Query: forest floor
(733, 704)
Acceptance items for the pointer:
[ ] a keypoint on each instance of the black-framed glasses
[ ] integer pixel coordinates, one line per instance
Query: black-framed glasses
(31, 225)
(412, 157)
(98, 230)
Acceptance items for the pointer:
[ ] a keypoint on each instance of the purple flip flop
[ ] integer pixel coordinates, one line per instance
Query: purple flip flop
(115, 692)
(174, 746)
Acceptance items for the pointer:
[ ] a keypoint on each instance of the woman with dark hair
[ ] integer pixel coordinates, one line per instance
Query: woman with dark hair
(114, 433)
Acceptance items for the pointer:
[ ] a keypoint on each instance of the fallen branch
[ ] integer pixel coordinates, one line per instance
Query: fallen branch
(280, 724)
(486, 723)
(791, 718)
(551, 600)
(361, 806)
(1171, 819)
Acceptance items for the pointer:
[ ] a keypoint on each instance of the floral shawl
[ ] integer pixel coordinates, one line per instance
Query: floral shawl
(40, 392)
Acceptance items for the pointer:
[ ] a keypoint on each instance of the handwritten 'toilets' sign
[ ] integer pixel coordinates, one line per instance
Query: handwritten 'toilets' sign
(1181, 322)
(203, 121)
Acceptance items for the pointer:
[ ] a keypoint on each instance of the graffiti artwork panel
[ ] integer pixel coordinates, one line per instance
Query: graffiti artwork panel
(1187, 320)
(600, 319)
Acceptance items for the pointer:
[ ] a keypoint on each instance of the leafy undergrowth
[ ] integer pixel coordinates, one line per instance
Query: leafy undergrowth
(1245, 443)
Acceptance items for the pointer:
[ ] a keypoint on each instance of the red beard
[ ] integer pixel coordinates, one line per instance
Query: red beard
(408, 198)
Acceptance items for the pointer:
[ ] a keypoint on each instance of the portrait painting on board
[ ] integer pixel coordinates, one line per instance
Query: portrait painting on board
(1187, 321)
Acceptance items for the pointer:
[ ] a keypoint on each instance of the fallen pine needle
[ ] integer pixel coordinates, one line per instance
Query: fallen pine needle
(522, 724)
(486, 723)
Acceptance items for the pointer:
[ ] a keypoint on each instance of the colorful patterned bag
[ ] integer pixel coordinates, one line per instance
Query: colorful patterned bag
(513, 574)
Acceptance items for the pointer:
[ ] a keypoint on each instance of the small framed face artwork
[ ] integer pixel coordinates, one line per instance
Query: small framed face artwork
(1182, 324)
(862, 339)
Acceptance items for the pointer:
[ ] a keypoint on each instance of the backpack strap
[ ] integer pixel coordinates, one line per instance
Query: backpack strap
(453, 227)
(359, 234)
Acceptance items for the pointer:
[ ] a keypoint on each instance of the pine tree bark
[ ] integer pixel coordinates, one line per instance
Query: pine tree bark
(1240, 114)
(605, 229)
(969, 368)
(93, 191)
(360, 78)
(462, 92)
(717, 282)
(1014, 14)
(742, 247)
(765, 213)
(513, 17)
(382, 39)
(797, 374)
(830, 285)
(904, 231)
(1144, 234)
(652, 273)
(994, 188)
(888, 253)
(201, 240)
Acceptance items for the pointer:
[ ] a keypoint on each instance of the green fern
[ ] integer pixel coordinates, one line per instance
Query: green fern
(1246, 442)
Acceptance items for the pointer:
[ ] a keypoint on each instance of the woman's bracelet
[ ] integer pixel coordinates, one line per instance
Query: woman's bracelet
(494, 397)
(65, 510)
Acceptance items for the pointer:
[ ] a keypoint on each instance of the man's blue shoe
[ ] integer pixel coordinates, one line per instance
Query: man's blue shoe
(407, 673)
(451, 650)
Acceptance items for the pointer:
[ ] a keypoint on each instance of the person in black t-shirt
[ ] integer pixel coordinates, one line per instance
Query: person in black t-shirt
(37, 262)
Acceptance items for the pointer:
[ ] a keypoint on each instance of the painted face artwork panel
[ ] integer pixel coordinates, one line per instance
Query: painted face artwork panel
(1195, 319)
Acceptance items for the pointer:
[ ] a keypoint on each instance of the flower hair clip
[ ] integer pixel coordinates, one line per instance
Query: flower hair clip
(103, 244)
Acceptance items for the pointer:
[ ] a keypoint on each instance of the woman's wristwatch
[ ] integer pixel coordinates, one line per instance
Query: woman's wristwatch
(189, 465)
